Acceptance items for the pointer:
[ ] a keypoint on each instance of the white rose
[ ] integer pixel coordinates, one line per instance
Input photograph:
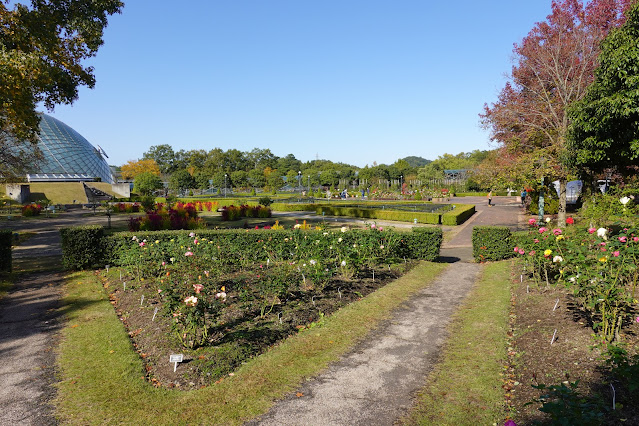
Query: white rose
(601, 232)
(624, 200)
(557, 259)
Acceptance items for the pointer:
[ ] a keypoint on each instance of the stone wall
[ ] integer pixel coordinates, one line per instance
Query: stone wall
(18, 192)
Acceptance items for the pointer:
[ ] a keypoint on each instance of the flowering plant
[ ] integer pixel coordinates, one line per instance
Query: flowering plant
(600, 269)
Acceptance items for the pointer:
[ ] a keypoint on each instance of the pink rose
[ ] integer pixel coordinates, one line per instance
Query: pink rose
(542, 230)
(532, 222)
(592, 230)
(521, 251)
(615, 253)
(556, 231)
(623, 239)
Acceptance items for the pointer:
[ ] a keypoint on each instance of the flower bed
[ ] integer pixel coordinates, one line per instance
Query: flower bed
(597, 264)
(29, 210)
(224, 296)
(230, 213)
(180, 216)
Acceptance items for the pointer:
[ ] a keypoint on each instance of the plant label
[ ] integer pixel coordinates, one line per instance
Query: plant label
(175, 358)
(141, 300)
(155, 312)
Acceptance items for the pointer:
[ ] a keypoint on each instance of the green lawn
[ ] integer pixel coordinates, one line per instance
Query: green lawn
(465, 387)
(102, 377)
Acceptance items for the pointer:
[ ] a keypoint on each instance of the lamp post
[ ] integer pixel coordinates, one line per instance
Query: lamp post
(225, 176)
(299, 178)
(401, 188)
(309, 185)
(540, 219)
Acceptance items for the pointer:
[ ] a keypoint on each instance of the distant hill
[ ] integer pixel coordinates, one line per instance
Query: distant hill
(416, 161)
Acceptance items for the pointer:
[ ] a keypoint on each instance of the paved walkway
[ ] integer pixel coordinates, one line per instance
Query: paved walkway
(375, 383)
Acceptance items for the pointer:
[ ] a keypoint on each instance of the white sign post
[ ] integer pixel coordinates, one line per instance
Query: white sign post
(175, 359)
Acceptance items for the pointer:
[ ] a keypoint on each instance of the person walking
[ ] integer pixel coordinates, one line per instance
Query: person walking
(523, 197)
(490, 198)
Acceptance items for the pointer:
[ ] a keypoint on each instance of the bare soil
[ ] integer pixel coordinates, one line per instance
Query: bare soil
(240, 332)
(538, 314)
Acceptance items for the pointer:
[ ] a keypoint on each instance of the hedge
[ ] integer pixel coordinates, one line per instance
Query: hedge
(424, 243)
(458, 215)
(492, 243)
(285, 207)
(6, 238)
(243, 247)
(82, 246)
(402, 216)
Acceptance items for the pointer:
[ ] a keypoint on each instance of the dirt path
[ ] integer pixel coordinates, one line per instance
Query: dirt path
(375, 383)
(29, 321)
(28, 325)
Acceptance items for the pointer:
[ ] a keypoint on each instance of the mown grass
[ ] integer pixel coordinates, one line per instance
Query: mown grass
(58, 192)
(102, 377)
(6, 282)
(465, 386)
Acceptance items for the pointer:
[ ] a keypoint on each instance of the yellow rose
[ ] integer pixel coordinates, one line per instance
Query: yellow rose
(547, 252)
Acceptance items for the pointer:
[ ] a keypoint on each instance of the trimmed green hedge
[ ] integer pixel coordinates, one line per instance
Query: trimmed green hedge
(402, 216)
(244, 247)
(284, 207)
(82, 246)
(424, 243)
(492, 243)
(6, 238)
(458, 215)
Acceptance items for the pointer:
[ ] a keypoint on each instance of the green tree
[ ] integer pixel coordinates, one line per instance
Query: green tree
(256, 178)
(145, 183)
(239, 178)
(163, 156)
(182, 180)
(554, 64)
(42, 47)
(605, 123)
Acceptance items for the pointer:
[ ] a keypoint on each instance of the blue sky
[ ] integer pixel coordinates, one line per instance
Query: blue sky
(344, 80)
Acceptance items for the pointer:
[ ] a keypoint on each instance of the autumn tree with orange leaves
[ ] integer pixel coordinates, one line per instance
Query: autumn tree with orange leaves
(553, 66)
(133, 168)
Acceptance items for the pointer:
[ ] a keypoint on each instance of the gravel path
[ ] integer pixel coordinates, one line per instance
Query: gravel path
(29, 322)
(28, 326)
(376, 382)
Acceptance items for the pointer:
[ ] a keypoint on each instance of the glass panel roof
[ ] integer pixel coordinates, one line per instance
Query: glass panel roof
(68, 152)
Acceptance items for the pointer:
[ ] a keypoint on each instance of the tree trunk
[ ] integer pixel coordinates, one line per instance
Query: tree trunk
(561, 216)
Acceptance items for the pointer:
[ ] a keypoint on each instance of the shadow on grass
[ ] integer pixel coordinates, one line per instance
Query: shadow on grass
(32, 306)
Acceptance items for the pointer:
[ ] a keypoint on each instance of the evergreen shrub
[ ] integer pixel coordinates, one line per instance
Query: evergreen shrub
(491, 243)
(82, 246)
(458, 215)
(423, 243)
(6, 236)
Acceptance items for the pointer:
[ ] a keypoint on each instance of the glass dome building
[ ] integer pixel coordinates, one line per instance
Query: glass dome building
(67, 156)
